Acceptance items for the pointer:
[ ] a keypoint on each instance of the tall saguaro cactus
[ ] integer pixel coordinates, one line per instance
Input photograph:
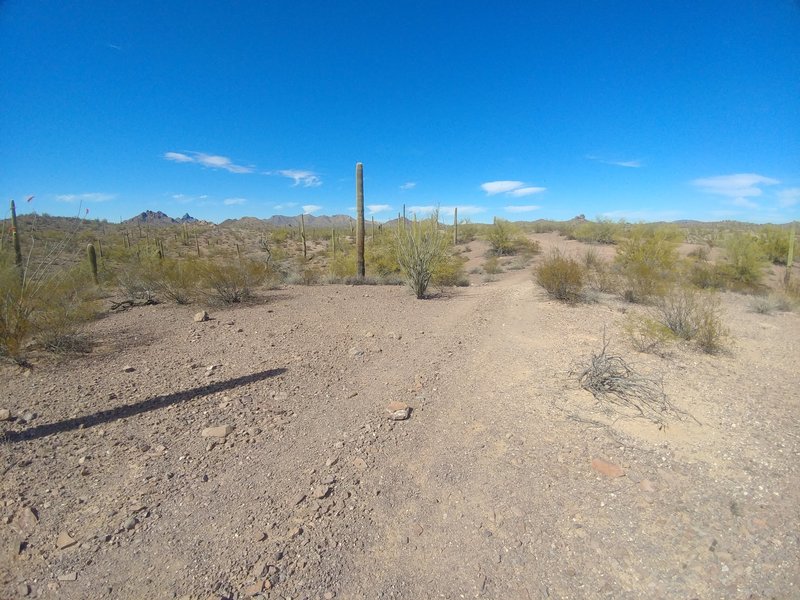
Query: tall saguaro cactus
(360, 267)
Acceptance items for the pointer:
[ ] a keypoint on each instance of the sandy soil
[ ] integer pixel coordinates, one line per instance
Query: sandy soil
(110, 489)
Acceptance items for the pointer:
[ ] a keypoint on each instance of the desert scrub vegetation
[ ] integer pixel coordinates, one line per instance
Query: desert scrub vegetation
(562, 277)
(683, 313)
(421, 249)
(48, 311)
(233, 281)
(646, 259)
(506, 239)
(745, 260)
(601, 231)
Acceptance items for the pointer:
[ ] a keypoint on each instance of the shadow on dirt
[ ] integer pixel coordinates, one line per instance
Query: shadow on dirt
(130, 410)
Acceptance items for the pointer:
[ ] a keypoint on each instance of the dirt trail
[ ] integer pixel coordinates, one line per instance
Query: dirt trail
(486, 491)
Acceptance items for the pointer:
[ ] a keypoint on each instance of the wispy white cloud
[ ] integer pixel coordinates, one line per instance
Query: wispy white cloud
(374, 209)
(304, 178)
(212, 161)
(234, 201)
(285, 205)
(186, 199)
(408, 185)
(310, 208)
(522, 209)
(90, 197)
(526, 191)
(500, 187)
(630, 164)
(789, 197)
(740, 185)
(515, 189)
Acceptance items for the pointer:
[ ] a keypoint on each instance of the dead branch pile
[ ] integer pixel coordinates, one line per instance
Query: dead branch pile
(622, 390)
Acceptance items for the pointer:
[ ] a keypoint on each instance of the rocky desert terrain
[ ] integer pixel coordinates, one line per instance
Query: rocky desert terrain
(353, 442)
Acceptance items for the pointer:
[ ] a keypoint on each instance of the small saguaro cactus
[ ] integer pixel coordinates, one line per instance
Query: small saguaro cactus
(455, 226)
(360, 267)
(789, 257)
(303, 236)
(90, 252)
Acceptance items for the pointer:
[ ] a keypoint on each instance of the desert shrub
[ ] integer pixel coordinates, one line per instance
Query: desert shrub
(175, 280)
(693, 315)
(420, 249)
(602, 231)
(50, 310)
(467, 232)
(766, 305)
(562, 277)
(235, 280)
(711, 335)
(706, 275)
(700, 253)
(501, 238)
(774, 243)
(646, 334)
(450, 273)
(745, 259)
(492, 266)
(646, 259)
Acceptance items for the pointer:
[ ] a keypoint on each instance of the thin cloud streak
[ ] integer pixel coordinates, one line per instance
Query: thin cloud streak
(739, 185)
(374, 209)
(234, 201)
(526, 191)
(630, 164)
(408, 185)
(300, 177)
(310, 208)
(212, 161)
(90, 197)
(500, 187)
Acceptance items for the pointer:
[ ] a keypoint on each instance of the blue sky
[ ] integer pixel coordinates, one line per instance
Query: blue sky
(655, 110)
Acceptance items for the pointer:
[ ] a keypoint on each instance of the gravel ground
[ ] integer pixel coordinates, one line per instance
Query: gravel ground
(255, 454)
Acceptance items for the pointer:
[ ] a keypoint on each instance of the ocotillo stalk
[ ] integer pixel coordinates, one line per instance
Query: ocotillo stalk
(197, 243)
(333, 241)
(373, 230)
(789, 258)
(303, 235)
(455, 226)
(15, 238)
(360, 267)
(100, 248)
(92, 261)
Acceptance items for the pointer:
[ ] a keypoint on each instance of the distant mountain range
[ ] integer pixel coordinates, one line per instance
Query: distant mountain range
(311, 221)
(159, 218)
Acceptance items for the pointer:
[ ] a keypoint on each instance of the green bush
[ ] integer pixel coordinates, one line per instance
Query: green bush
(501, 238)
(646, 258)
(602, 231)
(492, 266)
(450, 273)
(774, 243)
(50, 310)
(234, 281)
(420, 249)
(561, 277)
(745, 259)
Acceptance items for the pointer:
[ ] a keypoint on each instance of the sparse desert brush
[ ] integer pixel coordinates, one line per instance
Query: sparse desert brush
(501, 238)
(175, 280)
(646, 258)
(766, 305)
(602, 231)
(693, 315)
(235, 280)
(450, 273)
(700, 253)
(646, 334)
(745, 260)
(774, 243)
(49, 311)
(705, 275)
(561, 276)
(492, 266)
(421, 248)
